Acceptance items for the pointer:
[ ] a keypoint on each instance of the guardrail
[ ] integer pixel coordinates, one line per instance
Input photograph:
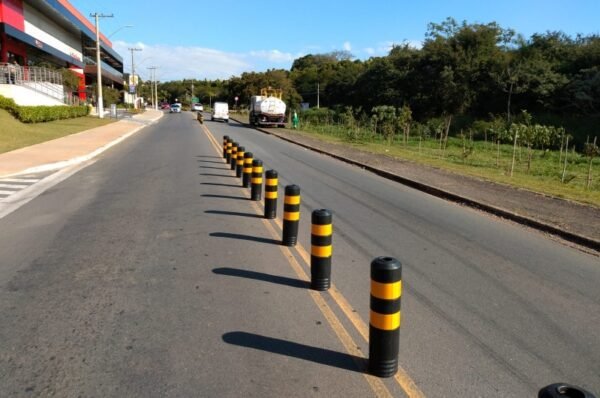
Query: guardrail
(40, 79)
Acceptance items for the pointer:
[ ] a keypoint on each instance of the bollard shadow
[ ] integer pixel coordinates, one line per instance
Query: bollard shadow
(210, 195)
(321, 356)
(216, 175)
(244, 237)
(209, 161)
(233, 213)
(216, 168)
(208, 157)
(217, 184)
(260, 276)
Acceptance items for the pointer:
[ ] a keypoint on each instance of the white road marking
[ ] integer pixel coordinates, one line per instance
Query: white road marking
(20, 180)
(7, 192)
(10, 186)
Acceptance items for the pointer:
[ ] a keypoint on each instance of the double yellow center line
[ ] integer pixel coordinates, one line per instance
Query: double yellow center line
(376, 384)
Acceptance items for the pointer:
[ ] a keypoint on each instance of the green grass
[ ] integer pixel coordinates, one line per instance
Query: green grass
(15, 135)
(543, 177)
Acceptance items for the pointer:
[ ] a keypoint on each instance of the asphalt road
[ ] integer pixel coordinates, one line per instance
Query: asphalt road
(149, 273)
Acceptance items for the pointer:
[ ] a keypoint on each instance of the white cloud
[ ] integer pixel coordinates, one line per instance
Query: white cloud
(176, 63)
(272, 55)
(347, 46)
(369, 50)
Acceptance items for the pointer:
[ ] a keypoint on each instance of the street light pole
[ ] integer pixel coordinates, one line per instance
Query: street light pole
(100, 102)
(133, 77)
(155, 89)
(152, 79)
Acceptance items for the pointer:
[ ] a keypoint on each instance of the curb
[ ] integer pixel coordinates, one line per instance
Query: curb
(440, 193)
(83, 158)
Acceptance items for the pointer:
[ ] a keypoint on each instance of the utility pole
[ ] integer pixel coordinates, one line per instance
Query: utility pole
(133, 77)
(155, 89)
(191, 99)
(99, 100)
(152, 78)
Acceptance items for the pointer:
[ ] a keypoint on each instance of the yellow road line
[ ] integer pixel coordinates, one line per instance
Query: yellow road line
(402, 378)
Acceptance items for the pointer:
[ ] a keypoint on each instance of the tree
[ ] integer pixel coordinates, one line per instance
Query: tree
(404, 121)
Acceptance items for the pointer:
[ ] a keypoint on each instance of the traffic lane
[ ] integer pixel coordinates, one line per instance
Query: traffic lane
(133, 289)
(508, 292)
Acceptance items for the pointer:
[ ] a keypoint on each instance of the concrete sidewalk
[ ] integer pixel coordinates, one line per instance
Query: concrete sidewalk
(74, 148)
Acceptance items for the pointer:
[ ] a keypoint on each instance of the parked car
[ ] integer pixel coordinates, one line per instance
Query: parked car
(175, 108)
(220, 111)
(197, 107)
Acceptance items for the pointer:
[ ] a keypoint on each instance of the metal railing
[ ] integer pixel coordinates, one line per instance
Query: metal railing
(40, 79)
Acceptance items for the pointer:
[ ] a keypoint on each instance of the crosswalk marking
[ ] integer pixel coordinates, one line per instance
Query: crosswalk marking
(11, 186)
(28, 180)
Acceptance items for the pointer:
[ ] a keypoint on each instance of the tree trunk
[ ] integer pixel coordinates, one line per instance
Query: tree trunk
(498, 154)
(562, 179)
(512, 165)
(446, 131)
(562, 142)
(510, 89)
(589, 176)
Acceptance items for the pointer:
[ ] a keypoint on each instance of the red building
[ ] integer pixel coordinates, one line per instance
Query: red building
(54, 33)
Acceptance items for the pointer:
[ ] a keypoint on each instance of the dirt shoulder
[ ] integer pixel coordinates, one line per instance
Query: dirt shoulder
(572, 221)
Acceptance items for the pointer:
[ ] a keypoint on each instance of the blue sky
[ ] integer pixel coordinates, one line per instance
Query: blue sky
(222, 38)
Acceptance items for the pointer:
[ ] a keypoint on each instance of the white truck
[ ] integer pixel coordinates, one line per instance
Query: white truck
(220, 111)
(267, 109)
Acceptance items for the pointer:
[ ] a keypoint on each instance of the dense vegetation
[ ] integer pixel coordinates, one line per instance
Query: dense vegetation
(463, 72)
(529, 102)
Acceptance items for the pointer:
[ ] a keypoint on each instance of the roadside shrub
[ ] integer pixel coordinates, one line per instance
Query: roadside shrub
(38, 114)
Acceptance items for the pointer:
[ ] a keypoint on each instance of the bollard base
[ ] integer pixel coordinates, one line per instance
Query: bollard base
(320, 284)
(383, 368)
(562, 390)
(270, 216)
(290, 241)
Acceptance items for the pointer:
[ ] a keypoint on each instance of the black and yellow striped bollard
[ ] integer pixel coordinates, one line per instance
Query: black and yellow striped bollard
(239, 163)
(291, 215)
(229, 149)
(233, 160)
(384, 321)
(256, 186)
(270, 194)
(247, 172)
(225, 141)
(321, 249)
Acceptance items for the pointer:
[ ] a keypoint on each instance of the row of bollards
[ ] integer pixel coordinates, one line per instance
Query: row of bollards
(386, 272)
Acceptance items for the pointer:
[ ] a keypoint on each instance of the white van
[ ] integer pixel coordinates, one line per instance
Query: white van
(220, 111)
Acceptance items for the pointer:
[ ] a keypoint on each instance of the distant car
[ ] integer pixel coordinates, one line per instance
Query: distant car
(197, 107)
(165, 106)
(220, 111)
(175, 108)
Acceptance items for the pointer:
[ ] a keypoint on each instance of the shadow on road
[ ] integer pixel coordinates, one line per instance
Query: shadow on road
(260, 276)
(217, 168)
(217, 175)
(210, 161)
(222, 185)
(308, 353)
(209, 195)
(245, 237)
(233, 213)
(208, 157)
